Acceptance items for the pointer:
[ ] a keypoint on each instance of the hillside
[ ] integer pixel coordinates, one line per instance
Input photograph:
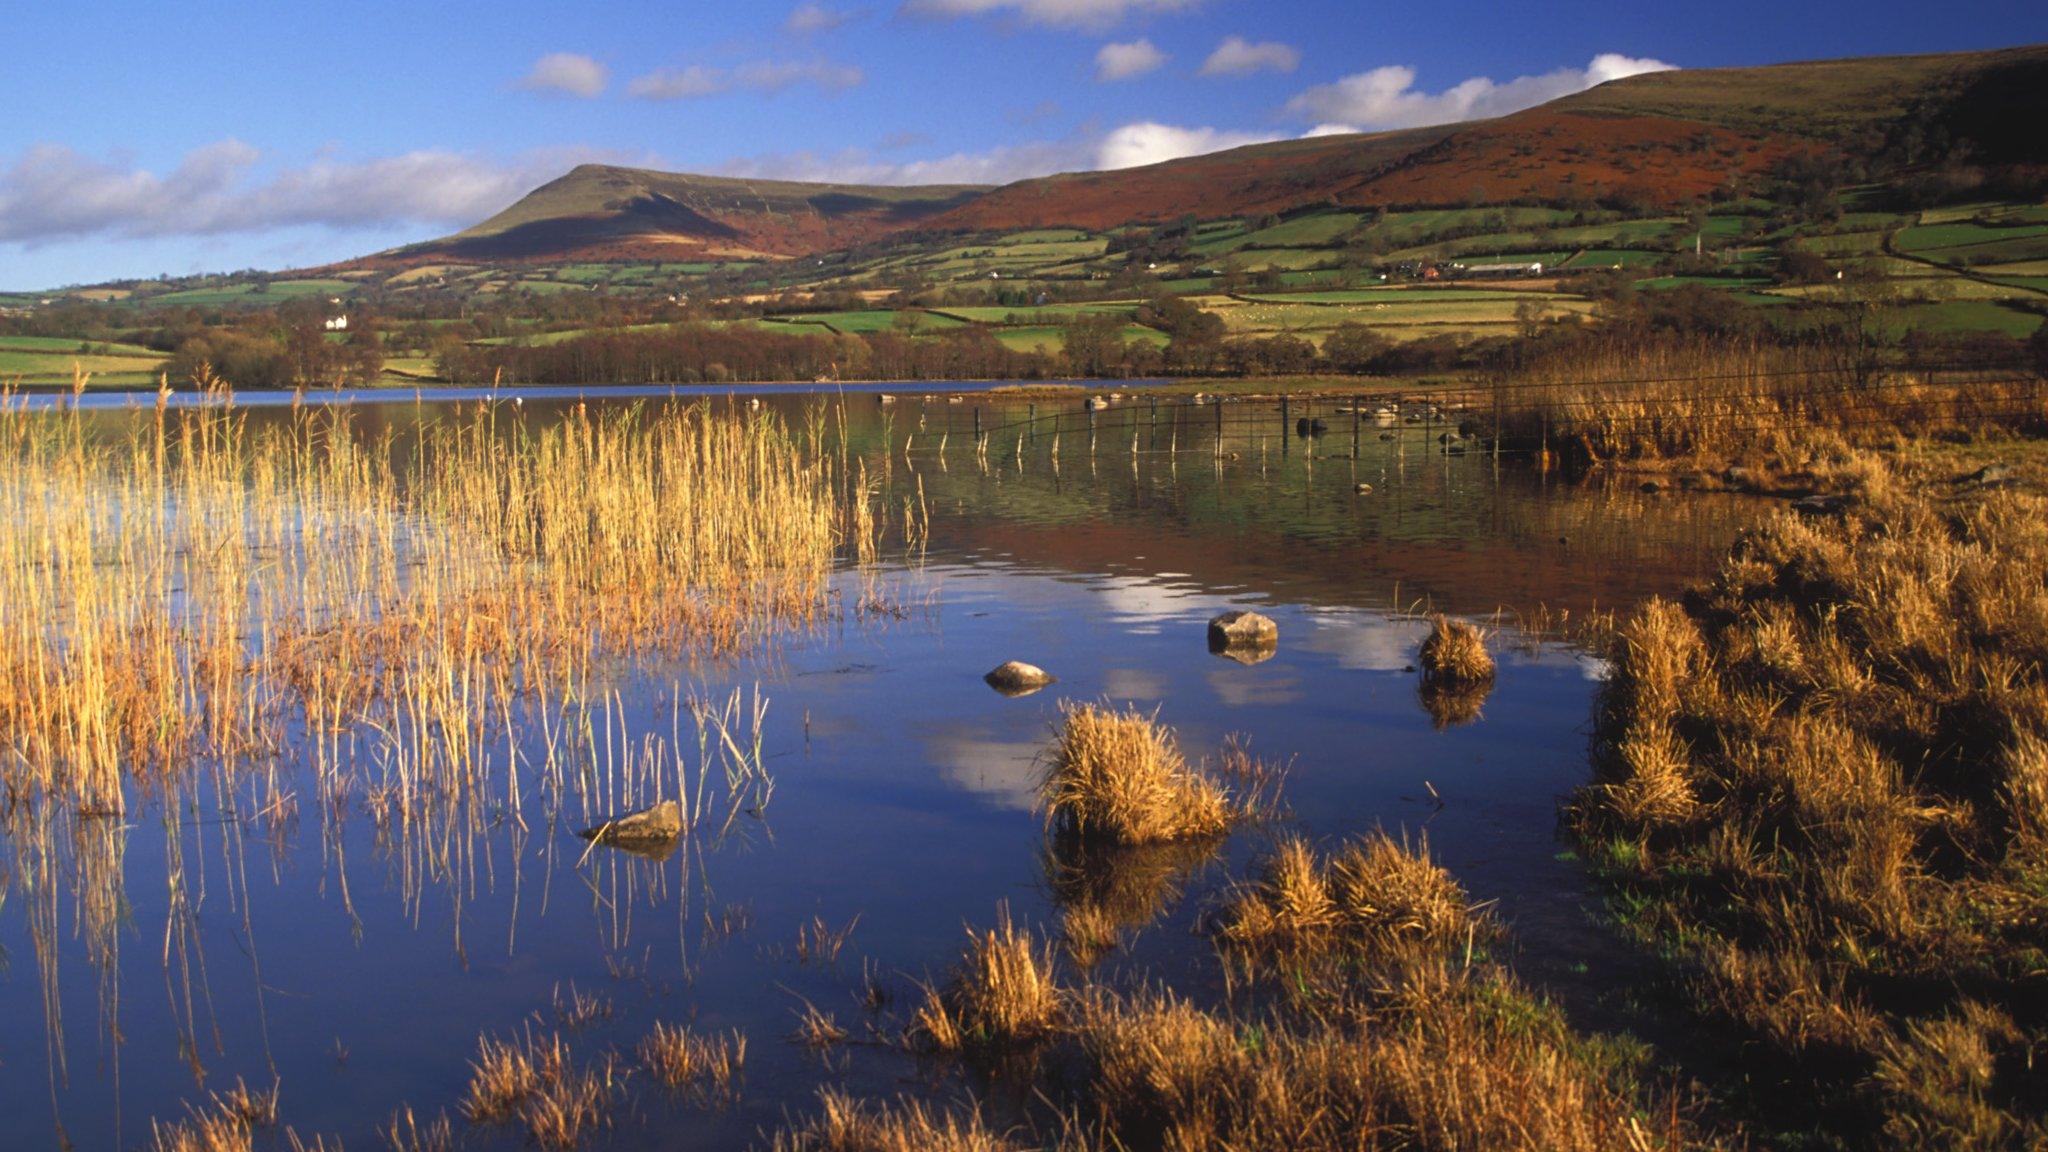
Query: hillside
(1656, 141)
(599, 212)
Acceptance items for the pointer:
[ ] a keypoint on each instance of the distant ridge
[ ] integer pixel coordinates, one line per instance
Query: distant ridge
(1659, 139)
(601, 212)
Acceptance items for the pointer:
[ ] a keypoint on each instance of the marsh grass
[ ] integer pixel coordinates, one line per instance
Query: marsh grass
(535, 1082)
(819, 943)
(706, 1068)
(1819, 789)
(1445, 1059)
(1373, 895)
(844, 1124)
(1454, 655)
(1793, 415)
(1002, 997)
(227, 1123)
(1120, 778)
(817, 1028)
(406, 1133)
(199, 590)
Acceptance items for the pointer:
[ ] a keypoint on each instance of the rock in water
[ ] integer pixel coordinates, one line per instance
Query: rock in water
(1820, 505)
(660, 824)
(1016, 678)
(1242, 630)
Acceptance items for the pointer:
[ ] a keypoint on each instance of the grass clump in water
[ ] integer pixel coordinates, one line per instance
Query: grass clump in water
(845, 1124)
(1003, 997)
(707, 1068)
(1454, 654)
(536, 1083)
(1821, 785)
(1372, 894)
(1119, 777)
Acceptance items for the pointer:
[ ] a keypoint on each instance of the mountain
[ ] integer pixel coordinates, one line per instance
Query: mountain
(598, 212)
(1657, 140)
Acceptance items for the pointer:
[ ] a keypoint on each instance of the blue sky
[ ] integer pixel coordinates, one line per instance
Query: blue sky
(140, 139)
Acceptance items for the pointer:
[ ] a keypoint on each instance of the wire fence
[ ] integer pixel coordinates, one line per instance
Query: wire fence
(1506, 417)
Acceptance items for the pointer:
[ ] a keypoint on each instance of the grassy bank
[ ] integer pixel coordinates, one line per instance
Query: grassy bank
(1822, 797)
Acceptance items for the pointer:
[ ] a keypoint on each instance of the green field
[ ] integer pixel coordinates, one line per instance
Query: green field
(258, 293)
(868, 320)
(1934, 237)
(1968, 316)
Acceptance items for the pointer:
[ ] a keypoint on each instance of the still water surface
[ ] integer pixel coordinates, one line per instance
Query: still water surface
(318, 952)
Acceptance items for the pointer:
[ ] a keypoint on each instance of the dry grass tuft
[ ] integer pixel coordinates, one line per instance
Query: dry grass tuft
(1374, 894)
(708, 1068)
(848, 1125)
(1002, 997)
(535, 1082)
(1454, 654)
(1119, 777)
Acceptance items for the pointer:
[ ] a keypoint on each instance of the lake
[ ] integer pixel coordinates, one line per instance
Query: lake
(285, 935)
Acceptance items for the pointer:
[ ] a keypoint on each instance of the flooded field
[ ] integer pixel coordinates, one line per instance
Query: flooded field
(325, 912)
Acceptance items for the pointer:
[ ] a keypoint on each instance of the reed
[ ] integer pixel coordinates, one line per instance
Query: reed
(1792, 413)
(199, 590)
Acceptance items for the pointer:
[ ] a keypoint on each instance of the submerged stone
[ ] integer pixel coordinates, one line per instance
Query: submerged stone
(656, 825)
(1237, 630)
(1016, 678)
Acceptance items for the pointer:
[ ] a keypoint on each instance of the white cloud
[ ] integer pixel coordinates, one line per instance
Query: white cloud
(812, 19)
(858, 166)
(1150, 143)
(567, 74)
(53, 193)
(1084, 14)
(1124, 61)
(1387, 97)
(1237, 56)
(768, 76)
(1124, 147)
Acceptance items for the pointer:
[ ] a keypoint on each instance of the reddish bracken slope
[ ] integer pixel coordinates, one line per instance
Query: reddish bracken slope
(1541, 154)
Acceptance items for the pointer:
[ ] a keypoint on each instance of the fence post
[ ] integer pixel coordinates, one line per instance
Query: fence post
(977, 424)
(1286, 428)
(1031, 421)
(1357, 415)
